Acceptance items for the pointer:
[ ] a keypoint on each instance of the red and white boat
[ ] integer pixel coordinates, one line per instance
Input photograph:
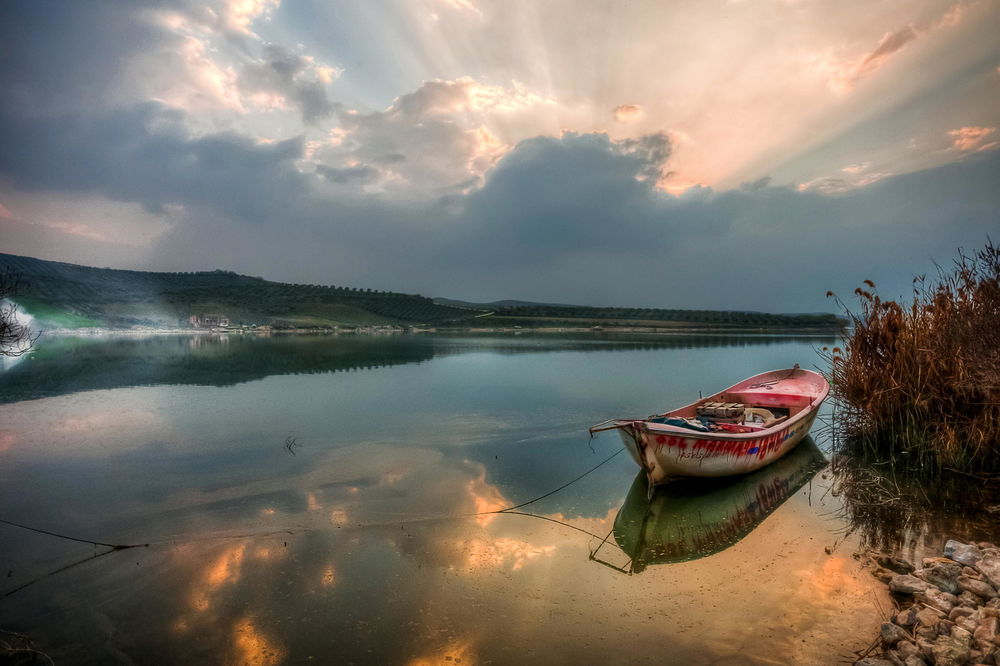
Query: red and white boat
(735, 431)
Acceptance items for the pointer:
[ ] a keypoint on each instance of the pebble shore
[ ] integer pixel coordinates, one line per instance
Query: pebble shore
(948, 608)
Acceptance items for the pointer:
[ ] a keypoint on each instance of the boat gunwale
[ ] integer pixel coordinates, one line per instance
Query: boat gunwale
(815, 400)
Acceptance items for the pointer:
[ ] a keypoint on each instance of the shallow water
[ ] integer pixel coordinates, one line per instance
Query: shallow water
(321, 499)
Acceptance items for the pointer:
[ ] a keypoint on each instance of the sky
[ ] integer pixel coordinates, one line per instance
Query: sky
(718, 154)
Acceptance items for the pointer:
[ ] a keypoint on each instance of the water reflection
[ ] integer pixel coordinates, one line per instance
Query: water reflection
(911, 514)
(364, 546)
(694, 518)
(64, 365)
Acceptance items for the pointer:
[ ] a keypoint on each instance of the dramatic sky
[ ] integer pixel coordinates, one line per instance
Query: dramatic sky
(746, 154)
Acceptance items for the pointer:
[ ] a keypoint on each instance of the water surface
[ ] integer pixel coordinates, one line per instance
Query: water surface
(322, 499)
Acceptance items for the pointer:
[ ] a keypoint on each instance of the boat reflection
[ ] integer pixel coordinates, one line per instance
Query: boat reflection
(693, 518)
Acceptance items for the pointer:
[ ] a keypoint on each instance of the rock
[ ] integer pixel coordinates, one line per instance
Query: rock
(943, 576)
(958, 632)
(873, 661)
(894, 658)
(993, 603)
(906, 584)
(969, 599)
(966, 553)
(926, 646)
(928, 634)
(928, 617)
(907, 616)
(987, 630)
(959, 611)
(907, 648)
(989, 566)
(892, 633)
(883, 575)
(978, 587)
(914, 661)
(968, 623)
(950, 651)
(896, 564)
(944, 627)
(935, 598)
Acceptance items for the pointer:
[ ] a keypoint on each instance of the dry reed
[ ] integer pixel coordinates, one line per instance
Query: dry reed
(920, 385)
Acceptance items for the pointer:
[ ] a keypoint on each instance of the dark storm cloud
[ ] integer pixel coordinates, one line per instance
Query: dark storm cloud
(59, 55)
(556, 195)
(143, 155)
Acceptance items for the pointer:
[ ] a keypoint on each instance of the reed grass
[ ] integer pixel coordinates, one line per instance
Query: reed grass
(919, 384)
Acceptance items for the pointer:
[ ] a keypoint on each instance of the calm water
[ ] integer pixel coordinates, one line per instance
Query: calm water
(317, 499)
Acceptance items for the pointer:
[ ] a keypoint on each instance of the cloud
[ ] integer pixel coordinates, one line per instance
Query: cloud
(436, 139)
(848, 74)
(652, 151)
(625, 112)
(972, 138)
(145, 155)
(349, 175)
(282, 77)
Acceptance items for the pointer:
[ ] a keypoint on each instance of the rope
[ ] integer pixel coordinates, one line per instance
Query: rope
(553, 492)
(772, 382)
(115, 546)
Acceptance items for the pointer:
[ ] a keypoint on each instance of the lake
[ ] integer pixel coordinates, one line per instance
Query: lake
(327, 499)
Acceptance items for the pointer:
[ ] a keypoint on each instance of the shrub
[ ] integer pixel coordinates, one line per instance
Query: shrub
(923, 381)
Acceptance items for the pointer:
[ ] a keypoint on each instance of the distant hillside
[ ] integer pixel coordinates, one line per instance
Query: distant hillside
(67, 295)
(492, 305)
(576, 315)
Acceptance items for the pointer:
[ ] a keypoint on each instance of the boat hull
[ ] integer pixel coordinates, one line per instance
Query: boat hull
(675, 444)
(668, 454)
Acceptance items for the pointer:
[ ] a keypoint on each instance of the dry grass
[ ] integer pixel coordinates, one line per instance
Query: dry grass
(920, 385)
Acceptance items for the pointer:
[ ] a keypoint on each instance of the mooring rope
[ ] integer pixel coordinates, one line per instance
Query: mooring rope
(114, 546)
(553, 492)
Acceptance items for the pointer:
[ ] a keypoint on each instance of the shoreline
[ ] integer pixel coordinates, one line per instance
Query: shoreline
(946, 612)
(140, 331)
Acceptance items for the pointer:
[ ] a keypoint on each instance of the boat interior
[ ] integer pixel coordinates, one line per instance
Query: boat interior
(737, 411)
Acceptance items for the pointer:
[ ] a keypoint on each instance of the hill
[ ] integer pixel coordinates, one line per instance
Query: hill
(66, 295)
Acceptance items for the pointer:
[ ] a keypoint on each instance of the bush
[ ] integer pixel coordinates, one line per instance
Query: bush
(924, 381)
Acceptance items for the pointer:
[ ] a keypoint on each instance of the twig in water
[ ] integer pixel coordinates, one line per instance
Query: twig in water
(290, 444)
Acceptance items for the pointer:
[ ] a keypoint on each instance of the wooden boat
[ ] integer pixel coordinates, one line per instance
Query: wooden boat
(735, 431)
(694, 518)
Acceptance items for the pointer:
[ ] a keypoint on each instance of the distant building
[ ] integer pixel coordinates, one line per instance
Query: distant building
(209, 321)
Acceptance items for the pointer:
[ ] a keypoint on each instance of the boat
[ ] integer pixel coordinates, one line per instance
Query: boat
(694, 518)
(735, 431)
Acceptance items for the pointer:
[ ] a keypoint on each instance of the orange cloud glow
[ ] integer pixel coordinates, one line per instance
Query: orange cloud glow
(971, 138)
(626, 112)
